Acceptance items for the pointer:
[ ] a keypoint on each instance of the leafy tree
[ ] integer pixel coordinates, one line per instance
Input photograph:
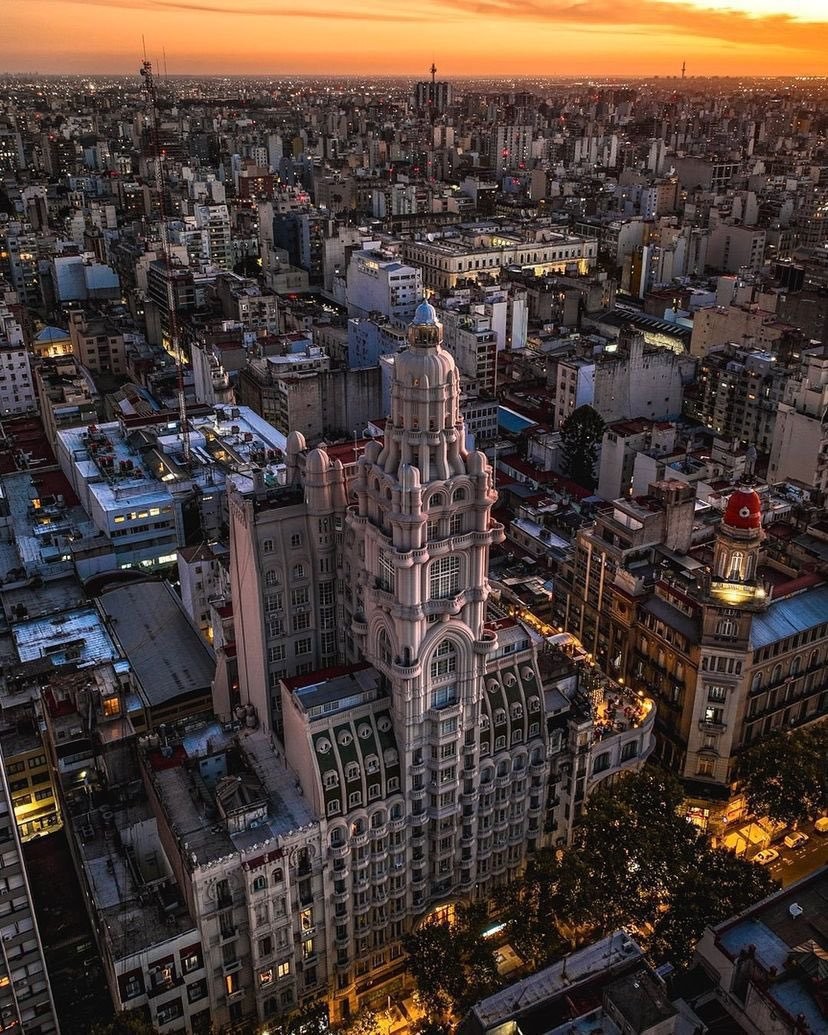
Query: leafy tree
(627, 854)
(529, 910)
(130, 1022)
(719, 886)
(309, 1020)
(580, 434)
(636, 863)
(452, 963)
(365, 1022)
(784, 776)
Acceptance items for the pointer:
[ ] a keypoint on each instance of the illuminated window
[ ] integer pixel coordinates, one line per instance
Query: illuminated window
(283, 969)
(111, 707)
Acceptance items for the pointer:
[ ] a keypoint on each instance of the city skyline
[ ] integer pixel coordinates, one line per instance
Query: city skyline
(464, 37)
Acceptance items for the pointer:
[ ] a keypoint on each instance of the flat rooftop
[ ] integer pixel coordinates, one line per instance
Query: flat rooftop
(165, 652)
(558, 979)
(329, 690)
(131, 880)
(78, 637)
(788, 932)
(201, 830)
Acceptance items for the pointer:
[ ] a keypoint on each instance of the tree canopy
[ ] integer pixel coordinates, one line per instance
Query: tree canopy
(784, 775)
(451, 962)
(129, 1022)
(581, 433)
(635, 863)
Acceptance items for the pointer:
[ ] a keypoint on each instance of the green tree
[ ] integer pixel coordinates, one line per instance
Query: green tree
(627, 853)
(364, 1022)
(309, 1020)
(718, 886)
(637, 863)
(528, 908)
(452, 963)
(581, 433)
(130, 1022)
(784, 775)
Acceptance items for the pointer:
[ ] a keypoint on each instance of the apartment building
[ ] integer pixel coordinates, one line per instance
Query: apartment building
(379, 283)
(26, 1003)
(799, 450)
(97, 344)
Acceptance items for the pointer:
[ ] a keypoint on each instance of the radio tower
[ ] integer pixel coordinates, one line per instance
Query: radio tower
(172, 305)
(683, 69)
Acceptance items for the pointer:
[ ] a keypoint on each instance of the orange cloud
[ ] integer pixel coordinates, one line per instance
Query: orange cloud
(464, 36)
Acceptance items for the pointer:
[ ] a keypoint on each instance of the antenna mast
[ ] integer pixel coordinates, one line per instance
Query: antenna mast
(175, 344)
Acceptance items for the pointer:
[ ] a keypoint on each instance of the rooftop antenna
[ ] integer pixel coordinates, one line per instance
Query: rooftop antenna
(433, 71)
(175, 344)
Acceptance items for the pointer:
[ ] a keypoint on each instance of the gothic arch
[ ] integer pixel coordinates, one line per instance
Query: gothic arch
(461, 639)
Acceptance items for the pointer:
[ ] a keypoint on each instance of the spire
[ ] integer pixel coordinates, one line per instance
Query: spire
(426, 429)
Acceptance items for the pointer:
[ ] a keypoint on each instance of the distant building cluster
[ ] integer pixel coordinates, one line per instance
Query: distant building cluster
(384, 469)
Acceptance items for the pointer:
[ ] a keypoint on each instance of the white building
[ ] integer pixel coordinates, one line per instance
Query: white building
(16, 388)
(377, 283)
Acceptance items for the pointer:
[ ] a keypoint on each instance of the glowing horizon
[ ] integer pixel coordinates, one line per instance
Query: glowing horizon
(464, 37)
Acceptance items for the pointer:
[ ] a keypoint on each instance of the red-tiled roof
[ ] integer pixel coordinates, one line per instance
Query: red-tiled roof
(322, 675)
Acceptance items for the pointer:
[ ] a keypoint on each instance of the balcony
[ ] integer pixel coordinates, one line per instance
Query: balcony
(708, 726)
(359, 840)
(340, 851)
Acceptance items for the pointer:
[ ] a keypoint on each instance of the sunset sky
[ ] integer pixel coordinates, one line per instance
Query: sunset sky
(464, 37)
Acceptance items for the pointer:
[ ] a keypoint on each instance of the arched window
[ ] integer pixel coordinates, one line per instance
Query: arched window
(756, 683)
(459, 496)
(384, 647)
(278, 876)
(517, 710)
(776, 675)
(499, 717)
(352, 771)
(737, 567)
(444, 578)
(436, 499)
(796, 666)
(444, 660)
(272, 577)
(260, 883)
(387, 572)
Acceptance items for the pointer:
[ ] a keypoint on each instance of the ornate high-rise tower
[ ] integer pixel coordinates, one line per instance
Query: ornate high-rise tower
(424, 518)
(423, 530)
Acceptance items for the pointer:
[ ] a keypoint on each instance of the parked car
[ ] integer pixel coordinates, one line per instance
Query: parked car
(796, 839)
(821, 826)
(766, 857)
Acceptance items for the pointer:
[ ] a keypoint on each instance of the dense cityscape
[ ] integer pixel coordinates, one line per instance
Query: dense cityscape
(413, 554)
